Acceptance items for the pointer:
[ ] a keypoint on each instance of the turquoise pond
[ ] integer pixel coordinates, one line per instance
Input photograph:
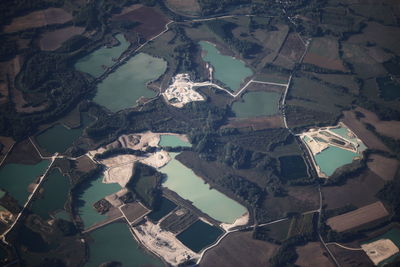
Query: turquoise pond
(94, 62)
(189, 186)
(88, 194)
(114, 242)
(257, 104)
(332, 158)
(127, 84)
(227, 69)
(15, 178)
(172, 141)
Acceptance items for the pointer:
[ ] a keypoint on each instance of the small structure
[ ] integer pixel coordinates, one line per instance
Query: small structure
(380, 250)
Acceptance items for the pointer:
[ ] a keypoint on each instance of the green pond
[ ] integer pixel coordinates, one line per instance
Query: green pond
(122, 88)
(227, 69)
(94, 62)
(184, 182)
(165, 207)
(58, 138)
(343, 133)
(199, 235)
(114, 242)
(172, 141)
(56, 188)
(88, 194)
(257, 104)
(15, 178)
(332, 158)
(394, 235)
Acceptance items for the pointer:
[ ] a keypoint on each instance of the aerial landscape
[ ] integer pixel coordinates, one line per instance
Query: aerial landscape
(210, 133)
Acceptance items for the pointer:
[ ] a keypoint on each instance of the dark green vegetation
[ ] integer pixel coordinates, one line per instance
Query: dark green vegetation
(146, 183)
(293, 167)
(163, 207)
(199, 235)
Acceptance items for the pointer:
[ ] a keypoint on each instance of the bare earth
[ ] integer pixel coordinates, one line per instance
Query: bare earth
(38, 18)
(358, 217)
(384, 167)
(52, 40)
(312, 254)
(239, 249)
(358, 127)
(256, 123)
(388, 128)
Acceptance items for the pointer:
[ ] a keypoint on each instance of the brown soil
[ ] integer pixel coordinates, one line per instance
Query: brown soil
(85, 164)
(151, 21)
(52, 40)
(359, 191)
(358, 127)
(256, 123)
(388, 128)
(355, 218)
(239, 249)
(38, 18)
(350, 258)
(23, 152)
(313, 254)
(384, 167)
(324, 62)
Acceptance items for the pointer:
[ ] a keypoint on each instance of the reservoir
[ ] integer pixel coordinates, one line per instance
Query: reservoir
(184, 182)
(95, 62)
(165, 207)
(256, 104)
(89, 193)
(227, 69)
(58, 138)
(122, 88)
(114, 242)
(56, 188)
(15, 178)
(199, 235)
(172, 141)
(332, 158)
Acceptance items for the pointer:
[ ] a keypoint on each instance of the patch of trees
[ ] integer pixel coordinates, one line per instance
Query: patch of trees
(383, 112)
(209, 7)
(145, 184)
(118, 151)
(8, 48)
(74, 43)
(249, 192)
(286, 254)
(224, 30)
(390, 195)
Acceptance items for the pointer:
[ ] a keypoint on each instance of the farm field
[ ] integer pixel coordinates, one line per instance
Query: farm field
(349, 258)
(258, 123)
(347, 81)
(187, 7)
(239, 249)
(39, 18)
(358, 191)
(358, 217)
(301, 225)
(312, 254)
(324, 53)
(384, 167)
(52, 40)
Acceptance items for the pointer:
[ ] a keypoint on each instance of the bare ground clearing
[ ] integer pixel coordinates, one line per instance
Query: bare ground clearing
(324, 52)
(388, 128)
(353, 219)
(256, 123)
(239, 249)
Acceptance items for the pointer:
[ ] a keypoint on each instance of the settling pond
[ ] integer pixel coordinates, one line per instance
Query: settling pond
(184, 182)
(122, 88)
(15, 178)
(114, 242)
(172, 141)
(95, 62)
(228, 70)
(257, 104)
(199, 235)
